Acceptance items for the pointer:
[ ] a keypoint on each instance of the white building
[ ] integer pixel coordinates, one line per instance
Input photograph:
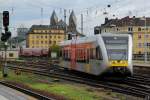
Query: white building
(10, 54)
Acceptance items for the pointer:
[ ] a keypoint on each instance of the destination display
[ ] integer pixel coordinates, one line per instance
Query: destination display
(113, 40)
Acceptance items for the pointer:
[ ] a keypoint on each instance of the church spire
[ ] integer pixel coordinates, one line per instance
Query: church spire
(72, 22)
(53, 19)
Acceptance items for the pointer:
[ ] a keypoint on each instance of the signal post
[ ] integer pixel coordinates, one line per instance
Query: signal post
(5, 36)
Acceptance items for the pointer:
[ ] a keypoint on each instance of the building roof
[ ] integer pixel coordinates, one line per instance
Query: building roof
(46, 27)
(126, 21)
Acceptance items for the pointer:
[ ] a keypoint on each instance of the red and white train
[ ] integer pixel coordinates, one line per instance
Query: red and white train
(103, 53)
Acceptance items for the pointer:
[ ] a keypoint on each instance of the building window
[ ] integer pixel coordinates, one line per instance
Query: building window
(59, 37)
(148, 44)
(45, 42)
(45, 36)
(139, 29)
(117, 29)
(139, 36)
(32, 37)
(139, 45)
(139, 52)
(146, 35)
(50, 42)
(37, 36)
(130, 29)
(11, 54)
(41, 42)
(50, 36)
(32, 41)
(37, 42)
(41, 36)
(54, 42)
(54, 36)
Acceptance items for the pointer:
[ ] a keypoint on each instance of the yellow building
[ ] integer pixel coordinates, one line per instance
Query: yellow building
(138, 27)
(44, 36)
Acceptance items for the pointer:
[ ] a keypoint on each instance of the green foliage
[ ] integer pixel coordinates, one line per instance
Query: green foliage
(55, 48)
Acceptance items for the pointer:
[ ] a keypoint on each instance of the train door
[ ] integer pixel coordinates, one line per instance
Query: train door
(95, 60)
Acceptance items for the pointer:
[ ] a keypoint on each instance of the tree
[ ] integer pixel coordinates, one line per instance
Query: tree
(55, 48)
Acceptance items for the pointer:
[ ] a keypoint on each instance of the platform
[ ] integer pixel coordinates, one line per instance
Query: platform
(7, 93)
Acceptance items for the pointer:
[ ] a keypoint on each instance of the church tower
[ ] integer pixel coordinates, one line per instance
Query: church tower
(53, 19)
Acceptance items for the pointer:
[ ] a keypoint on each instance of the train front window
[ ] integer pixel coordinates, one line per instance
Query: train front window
(117, 54)
(117, 47)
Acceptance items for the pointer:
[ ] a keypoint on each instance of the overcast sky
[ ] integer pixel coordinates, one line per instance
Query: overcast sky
(28, 12)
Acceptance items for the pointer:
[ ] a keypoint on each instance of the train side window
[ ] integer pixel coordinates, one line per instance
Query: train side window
(82, 55)
(69, 55)
(95, 53)
(66, 54)
(91, 53)
(98, 53)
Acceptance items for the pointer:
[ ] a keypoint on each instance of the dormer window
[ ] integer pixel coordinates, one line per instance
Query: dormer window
(130, 29)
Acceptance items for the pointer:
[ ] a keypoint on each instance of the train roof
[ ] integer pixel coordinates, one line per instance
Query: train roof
(79, 40)
(90, 39)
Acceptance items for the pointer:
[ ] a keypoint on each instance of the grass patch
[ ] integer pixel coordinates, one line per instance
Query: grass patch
(70, 91)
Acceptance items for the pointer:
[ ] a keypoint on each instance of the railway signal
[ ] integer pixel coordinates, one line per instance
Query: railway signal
(5, 37)
(7, 34)
(5, 18)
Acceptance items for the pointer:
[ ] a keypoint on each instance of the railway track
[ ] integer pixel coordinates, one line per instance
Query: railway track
(142, 69)
(26, 91)
(131, 86)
